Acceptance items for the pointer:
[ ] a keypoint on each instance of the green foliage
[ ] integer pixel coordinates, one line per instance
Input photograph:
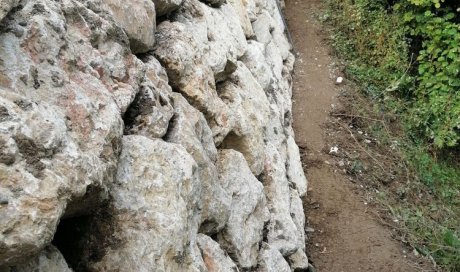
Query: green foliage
(436, 99)
(377, 53)
(377, 41)
(433, 228)
(432, 237)
(442, 179)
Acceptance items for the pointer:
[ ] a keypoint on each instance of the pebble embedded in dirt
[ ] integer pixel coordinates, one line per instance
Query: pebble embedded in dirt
(339, 80)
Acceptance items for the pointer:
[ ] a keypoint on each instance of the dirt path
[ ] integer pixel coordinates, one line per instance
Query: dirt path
(347, 237)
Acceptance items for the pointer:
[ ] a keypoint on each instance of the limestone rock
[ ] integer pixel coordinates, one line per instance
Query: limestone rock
(49, 260)
(243, 233)
(270, 260)
(189, 129)
(6, 6)
(240, 8)
(155, 153)
(281, 42)
(30, 187)
(178, 51)
(215, 259)
(298, 217)
(163, 7)
(255, 61)
(255, 7)
(283, 234)
(151, 110)
(294, 167)
(138, 20)
(298, 261)
(217, 32)
(248, 103)
(65, 80)
(263, 27)
(154, 209)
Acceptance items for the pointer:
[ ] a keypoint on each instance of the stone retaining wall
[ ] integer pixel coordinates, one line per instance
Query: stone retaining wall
(148, 136)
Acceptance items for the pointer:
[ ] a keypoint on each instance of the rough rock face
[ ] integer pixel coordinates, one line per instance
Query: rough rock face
(179, 158)
(271, 260)
(154, 208)
(248, 103)
(244, 231)
(190, 75)
(49, 260)
(66, 77)
(163, 7)
(138, 21)
(215, 259)
(6, 6)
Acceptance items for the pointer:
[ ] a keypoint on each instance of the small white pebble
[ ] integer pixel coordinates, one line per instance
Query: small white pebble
(334, 149)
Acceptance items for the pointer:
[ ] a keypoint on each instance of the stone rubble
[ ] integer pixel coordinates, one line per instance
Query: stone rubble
(165, 125)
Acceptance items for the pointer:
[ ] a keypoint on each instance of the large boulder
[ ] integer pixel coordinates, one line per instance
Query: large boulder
(283, 233)
(217, 32)
(137, 19)
(65, 80)
(190, 75)
(263, 27)
(294, 168)
(248, 103)
(244, 231)
(189, 129)
(255, 61)
(240, 8)
(155, 213)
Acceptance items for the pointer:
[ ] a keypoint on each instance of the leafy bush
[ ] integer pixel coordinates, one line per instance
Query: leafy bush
(410, 50)
(436, 98)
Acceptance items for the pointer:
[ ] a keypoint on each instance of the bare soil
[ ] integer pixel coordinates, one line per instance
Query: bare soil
(347, 232)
